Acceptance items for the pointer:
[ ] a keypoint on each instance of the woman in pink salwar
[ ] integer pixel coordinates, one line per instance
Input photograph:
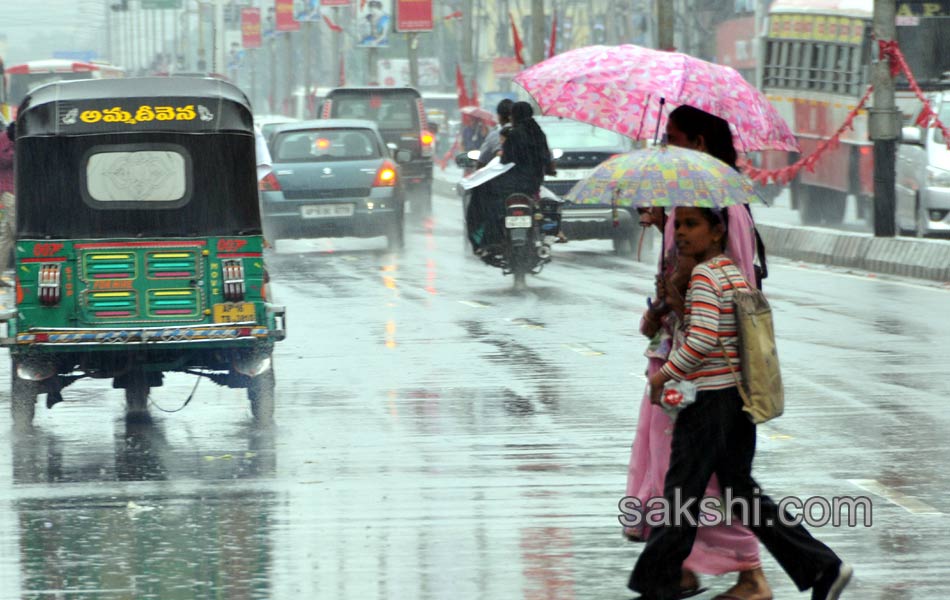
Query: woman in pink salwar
(718, 549)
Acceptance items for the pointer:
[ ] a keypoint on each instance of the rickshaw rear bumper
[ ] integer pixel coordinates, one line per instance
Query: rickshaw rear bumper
(65, 338)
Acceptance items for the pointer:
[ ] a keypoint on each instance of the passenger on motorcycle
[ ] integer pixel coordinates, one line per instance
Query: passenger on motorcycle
(526, 146)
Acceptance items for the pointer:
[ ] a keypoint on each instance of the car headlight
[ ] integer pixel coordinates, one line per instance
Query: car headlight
(938, 177)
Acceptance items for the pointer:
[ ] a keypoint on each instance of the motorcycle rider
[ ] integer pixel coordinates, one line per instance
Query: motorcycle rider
(526, 146)
(492, 145)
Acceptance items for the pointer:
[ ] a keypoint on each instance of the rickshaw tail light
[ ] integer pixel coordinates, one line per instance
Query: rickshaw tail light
(232, 272)
(269, 183)
(49, 284)
(427, 141)
(386, 177)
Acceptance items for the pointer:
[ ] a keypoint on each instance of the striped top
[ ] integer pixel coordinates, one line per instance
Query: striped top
(710, 316)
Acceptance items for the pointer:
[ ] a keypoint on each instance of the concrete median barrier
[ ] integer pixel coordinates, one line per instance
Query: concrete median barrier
(905, 257)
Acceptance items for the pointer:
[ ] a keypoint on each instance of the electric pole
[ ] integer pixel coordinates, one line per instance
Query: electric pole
(884, 124)
(664, 25)
(537, 31)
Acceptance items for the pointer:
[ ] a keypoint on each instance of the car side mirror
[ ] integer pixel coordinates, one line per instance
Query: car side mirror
(912, 135)
(465, 160)
(403, 156)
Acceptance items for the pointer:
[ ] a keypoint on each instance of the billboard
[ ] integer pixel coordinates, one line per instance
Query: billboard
(251, 27)
(395, 72)
(413, 15)
(285, 20)
(374, 23)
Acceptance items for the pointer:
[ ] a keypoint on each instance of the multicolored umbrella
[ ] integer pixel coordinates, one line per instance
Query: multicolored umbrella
(621, 87)
(664, 176)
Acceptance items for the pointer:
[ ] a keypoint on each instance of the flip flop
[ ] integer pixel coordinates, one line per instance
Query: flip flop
(684, 593)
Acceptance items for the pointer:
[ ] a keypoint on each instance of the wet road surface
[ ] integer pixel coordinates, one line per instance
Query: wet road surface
(441, 436)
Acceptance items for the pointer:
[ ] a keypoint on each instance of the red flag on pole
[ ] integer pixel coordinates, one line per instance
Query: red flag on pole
(460, 87)
(518, 45)
(553, 42)
(473, 100)
(333, 26)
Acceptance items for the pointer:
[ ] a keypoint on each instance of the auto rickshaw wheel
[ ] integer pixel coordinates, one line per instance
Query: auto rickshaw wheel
(136, 394)
(23, 394)
(261, 394)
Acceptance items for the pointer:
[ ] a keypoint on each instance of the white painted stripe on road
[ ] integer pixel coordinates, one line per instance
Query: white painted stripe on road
(908, 503)
(584, 350)
(868, 276)
(473, 303)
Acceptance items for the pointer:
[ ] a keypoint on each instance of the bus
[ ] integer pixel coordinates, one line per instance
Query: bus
(19, 79)
(816, 68)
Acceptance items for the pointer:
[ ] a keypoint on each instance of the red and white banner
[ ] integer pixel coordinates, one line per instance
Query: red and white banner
(285, 20)
(251, 27)
(414, 15)
(335, 2)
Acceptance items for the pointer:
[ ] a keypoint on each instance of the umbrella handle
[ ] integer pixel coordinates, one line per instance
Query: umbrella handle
(659, 117)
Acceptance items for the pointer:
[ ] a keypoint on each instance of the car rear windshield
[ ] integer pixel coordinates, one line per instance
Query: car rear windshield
(326, 145)
(389, 111)
(573, 135)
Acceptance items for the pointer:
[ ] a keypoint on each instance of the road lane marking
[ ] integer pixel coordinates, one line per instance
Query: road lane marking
(527, 323)
(908, 503)
(584, 350)
(473, 303)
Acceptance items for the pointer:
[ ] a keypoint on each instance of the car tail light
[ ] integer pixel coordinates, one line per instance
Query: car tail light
(49, 283)
(232, 272)
(427, 142)
(269, 183)
(386, 176)
(327, 105)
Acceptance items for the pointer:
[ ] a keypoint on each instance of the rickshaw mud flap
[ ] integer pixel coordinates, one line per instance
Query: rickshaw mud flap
(252, 364)
(35, 369)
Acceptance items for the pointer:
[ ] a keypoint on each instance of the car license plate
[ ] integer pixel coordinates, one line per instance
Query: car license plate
(571, 174)
(234, 312)
(518, 222)
(322, 211)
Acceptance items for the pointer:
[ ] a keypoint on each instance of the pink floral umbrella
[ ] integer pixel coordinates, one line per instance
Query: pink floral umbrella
(621, 88)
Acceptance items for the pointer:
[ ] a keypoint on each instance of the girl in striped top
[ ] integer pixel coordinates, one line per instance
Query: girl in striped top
(714, 436)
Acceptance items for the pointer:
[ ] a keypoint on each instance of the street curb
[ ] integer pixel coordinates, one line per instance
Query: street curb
(905, 257)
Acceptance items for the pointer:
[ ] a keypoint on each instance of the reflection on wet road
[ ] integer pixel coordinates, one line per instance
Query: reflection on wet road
(441, 436)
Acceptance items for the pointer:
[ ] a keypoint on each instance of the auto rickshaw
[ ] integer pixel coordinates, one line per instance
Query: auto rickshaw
(139, 248)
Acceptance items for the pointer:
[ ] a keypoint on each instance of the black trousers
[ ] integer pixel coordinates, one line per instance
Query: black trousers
(713, 435)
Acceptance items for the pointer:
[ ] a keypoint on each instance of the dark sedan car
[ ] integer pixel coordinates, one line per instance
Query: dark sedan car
(584, 147)
(333, 178)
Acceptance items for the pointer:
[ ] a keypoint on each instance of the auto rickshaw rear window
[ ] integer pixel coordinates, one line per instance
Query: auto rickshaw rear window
(139, 176)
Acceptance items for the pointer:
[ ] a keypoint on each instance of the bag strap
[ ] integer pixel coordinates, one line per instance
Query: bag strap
(759, 245)
(725, 353)
(735, 376)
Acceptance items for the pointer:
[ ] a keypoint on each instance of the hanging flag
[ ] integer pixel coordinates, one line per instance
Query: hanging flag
(460, 87)
(553, 43)
(473, 100)
(333, 26)
(456, 15)
(518, 45)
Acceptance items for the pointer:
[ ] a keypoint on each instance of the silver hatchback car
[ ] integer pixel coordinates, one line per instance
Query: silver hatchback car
(923, 176)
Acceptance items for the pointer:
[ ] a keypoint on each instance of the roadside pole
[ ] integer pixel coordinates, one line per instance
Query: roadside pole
(413, 44)
(219, 50)
(538, 31)
(664, 24)
(884, 124)
(308, 60)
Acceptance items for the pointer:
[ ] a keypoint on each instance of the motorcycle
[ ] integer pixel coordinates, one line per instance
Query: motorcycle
(530, 224)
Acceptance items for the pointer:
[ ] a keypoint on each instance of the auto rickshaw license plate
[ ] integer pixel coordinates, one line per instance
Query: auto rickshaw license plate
(234, 312)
